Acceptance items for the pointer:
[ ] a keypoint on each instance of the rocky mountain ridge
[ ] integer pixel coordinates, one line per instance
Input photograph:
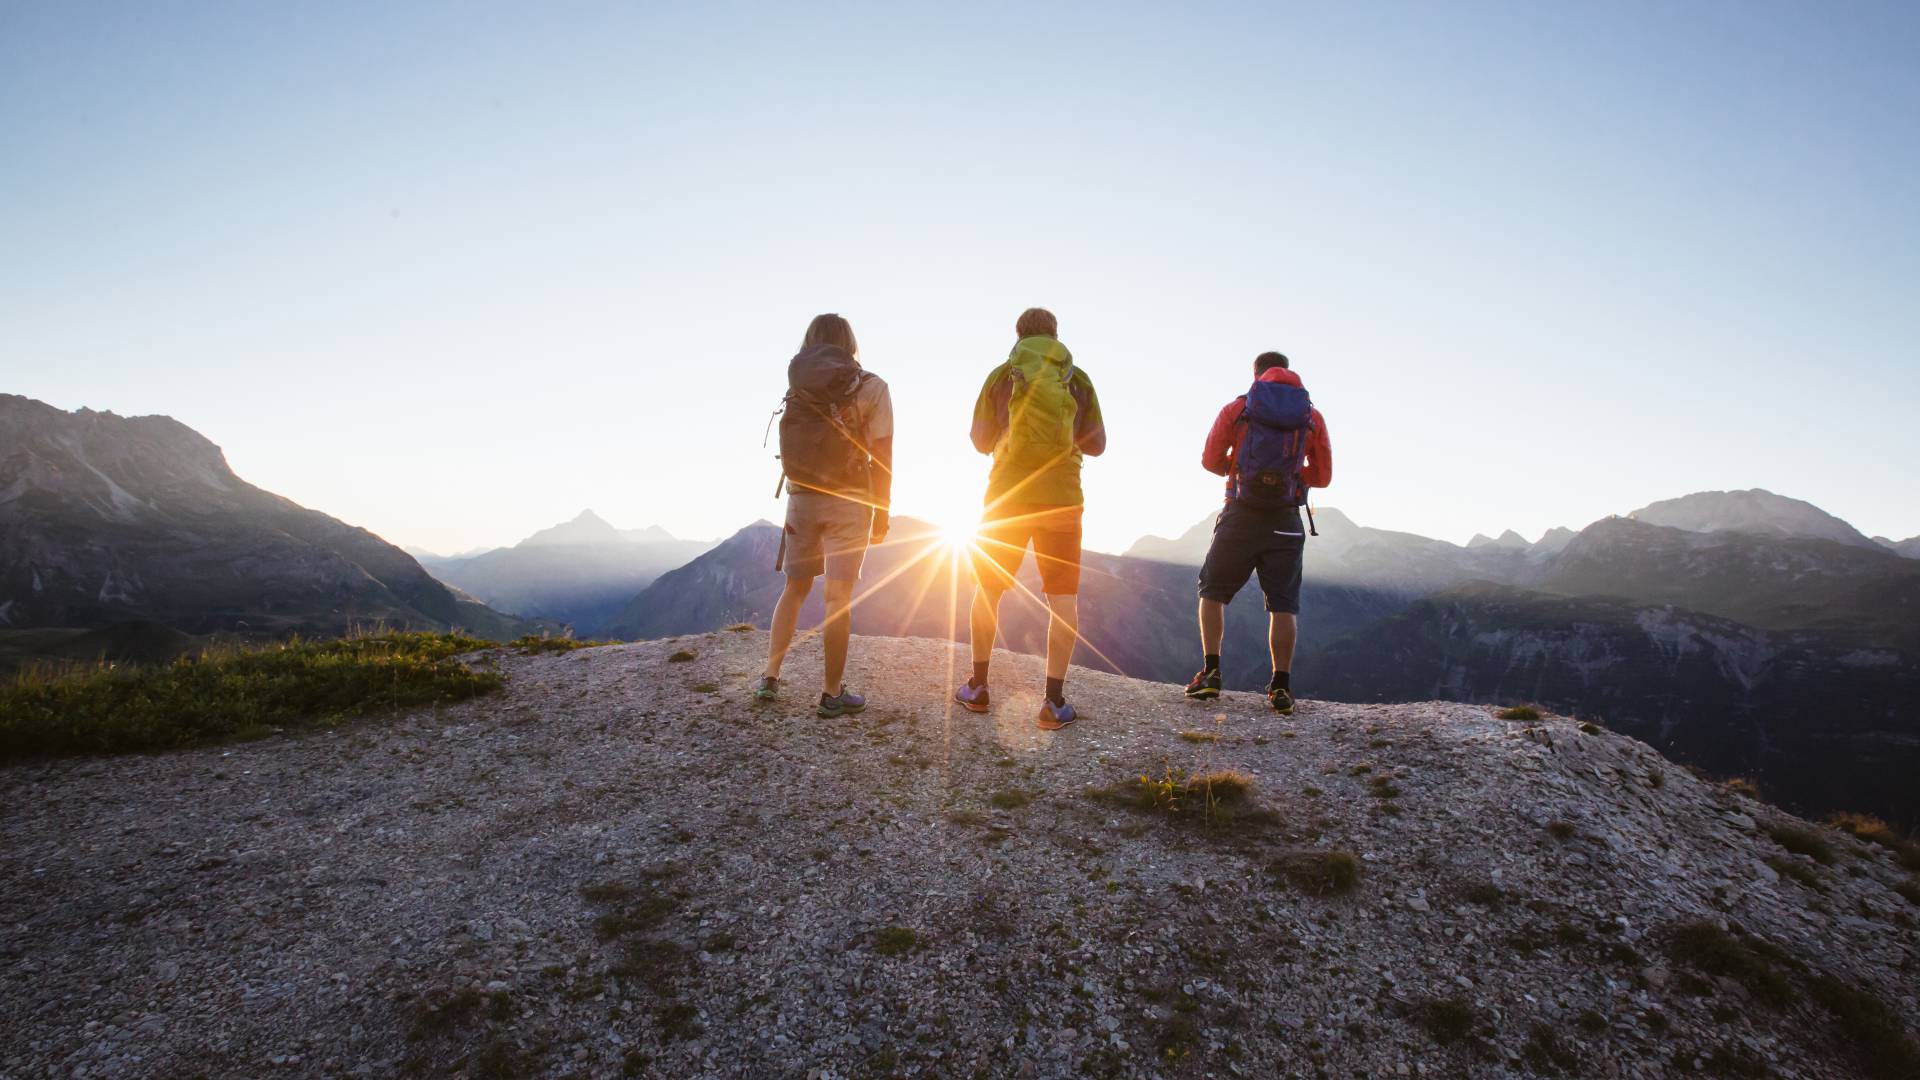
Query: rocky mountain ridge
(622, 865)
(106, 519)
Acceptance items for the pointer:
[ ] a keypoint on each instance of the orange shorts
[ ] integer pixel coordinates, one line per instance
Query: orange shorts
(1052, 531)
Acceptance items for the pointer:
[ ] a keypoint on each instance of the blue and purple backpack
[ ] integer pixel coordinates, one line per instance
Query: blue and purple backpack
(1266, 467)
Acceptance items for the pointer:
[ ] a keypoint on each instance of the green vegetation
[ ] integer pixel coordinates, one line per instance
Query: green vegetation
(1199, 736)
(681, 657)
(534, 645)
(1910, 889)
(1753, 964)
(1545, 1053)
(1448, 1020)
(1868, 1028)
(1484, 893)
(1591, 728)
(1219, 796)
(1740, 785)
(1803, 842)
(1320, 873)
(1560, 830)
(741, 628)
(1796, 870)
(1527, 713)
(706, 688)
(1010, 799)
(895, 940)
(233, 693)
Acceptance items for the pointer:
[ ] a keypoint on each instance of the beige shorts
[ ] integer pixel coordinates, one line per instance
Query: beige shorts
(826, 534)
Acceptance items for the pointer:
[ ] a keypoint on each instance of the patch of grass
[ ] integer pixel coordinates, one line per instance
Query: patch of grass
(683, 656)
(650, 961)
(1590, 1021)
(1741, 785)
(1756, 965)
(1560, 830)
(741, 628)
(1797, 871)
(1448, 1020)
(895, 940)
(1803, 842)
(1381, 787)
(536, 644)
(1868, 1028)
(1545, 1053)
(1591, 728)
(1319, 873)
(1484, 893)
(1875, 831)
(1200, 736)
(1656, 778)
(1910, 889)
(230, 693)
(606, 892)
(1526, 713)
(677, 1020)
(1217, 797)
(967, 817)
(1009, 799)
(706, 688)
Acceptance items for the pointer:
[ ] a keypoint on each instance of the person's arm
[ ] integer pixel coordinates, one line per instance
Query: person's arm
(1089, 427)
(882, 486)
(990, 410)
(1317, 471)
(1217, 456)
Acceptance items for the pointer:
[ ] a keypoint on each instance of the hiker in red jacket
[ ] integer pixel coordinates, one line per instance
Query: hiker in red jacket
(1271, 444)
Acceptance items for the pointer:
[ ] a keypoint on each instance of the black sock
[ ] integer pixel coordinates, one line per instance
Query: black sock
(979, 675)
(1057, 691)
(1281, 680)
(1213, 662)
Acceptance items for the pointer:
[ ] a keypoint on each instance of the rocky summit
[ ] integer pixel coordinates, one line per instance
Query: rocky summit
(621, 865)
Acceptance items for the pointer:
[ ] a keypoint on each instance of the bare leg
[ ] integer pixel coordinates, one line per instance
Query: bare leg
(1213, 626)
(838, 627)
(1282, 630)
(785, 614)
(984, 621)
(1062, 631)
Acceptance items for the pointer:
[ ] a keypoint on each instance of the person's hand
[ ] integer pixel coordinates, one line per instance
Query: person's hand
(879, 527)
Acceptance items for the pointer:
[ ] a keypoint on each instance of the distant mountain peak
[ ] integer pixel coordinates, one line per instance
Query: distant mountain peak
(1507, 540)
(1755, 511)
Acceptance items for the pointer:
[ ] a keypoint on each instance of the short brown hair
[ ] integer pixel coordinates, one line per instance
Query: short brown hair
(1037, 322)
(1269, 360)
(831, 329)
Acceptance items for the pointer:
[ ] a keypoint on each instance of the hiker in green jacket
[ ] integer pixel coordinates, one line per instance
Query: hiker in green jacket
(1037, 415)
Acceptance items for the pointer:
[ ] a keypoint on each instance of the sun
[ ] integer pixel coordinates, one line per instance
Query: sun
(958, 533)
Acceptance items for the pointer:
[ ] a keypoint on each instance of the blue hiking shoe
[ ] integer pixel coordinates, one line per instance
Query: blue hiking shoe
(1054, 717)
(973, 697)
(846, 704)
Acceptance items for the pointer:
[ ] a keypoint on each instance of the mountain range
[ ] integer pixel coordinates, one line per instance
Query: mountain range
(108, 520)
(579, 572)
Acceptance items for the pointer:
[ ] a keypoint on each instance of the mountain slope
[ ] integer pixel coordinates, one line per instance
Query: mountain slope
(1820, 722)
(1757, 511)
(620, 865)
(580, 572)
(106, 518)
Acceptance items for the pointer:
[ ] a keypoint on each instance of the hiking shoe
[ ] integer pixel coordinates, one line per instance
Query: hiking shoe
(1281, 700)
(1205, 686)
(973, 697)
(768, 689)
(1054, 717)
(846, 704)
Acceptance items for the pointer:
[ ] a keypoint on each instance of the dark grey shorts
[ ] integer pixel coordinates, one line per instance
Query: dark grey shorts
(1245, 541)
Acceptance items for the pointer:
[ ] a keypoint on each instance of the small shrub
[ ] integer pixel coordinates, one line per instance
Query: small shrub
(1527, 713)
(741, 628)
(706, 688)
(1803, 842)
(1656, 778)
(1545, 1053)
(1591, 1021)
(1484, 893)
(1010, 799)
(649, 960)
(682, 657)
(1382, 787)
(1448, 1020)
(1320, 873)
(1560, 830)
(1796, 870)
(1871, 1031)
(534, 645)
(1706, 947)
(606, 892)
(1910, 889)
(967, 817)
(1743, 786)
(895, 940)
(1591, 728)
(1875, 831)
(1199, 736)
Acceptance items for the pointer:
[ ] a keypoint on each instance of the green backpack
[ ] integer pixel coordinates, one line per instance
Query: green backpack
(1041, 410)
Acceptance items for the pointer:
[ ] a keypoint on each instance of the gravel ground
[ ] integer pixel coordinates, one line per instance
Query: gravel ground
(622, 865)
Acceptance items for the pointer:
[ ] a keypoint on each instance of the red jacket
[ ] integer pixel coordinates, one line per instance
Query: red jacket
(1223, 442)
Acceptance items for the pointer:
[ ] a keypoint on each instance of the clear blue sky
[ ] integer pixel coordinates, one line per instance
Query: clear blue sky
(454, 272)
